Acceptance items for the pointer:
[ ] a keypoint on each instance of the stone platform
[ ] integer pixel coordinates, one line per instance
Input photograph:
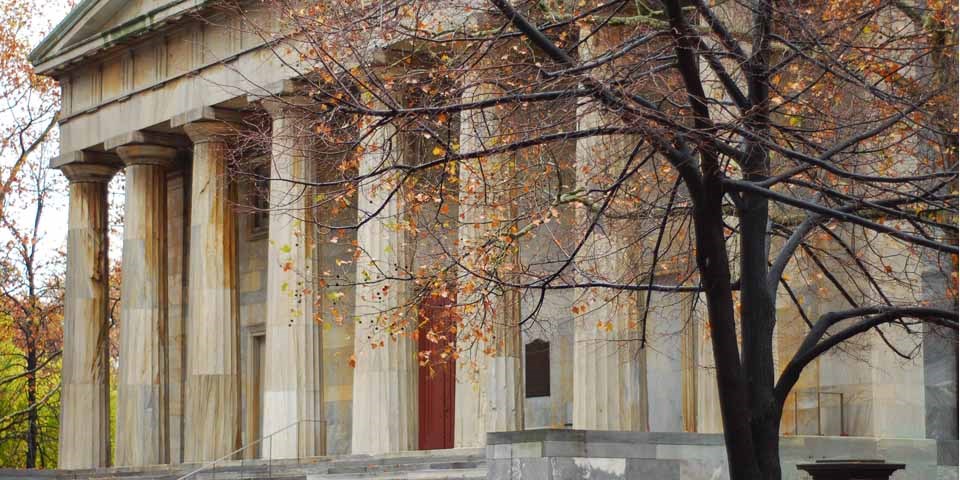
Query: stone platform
(460, 464)
(556, 455)
(605, 455)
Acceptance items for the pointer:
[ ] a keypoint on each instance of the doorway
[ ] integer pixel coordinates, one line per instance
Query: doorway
(437, 376)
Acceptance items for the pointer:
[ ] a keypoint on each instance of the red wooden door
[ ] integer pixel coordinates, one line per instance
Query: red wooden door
(436, 388)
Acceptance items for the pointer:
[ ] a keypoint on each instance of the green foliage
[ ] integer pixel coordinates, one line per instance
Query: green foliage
(14, 407)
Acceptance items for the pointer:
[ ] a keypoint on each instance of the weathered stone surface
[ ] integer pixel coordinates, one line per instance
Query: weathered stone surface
(940, 380)
(610, 382)
(142, 421)
(947, 452)
(293, 396)
(680, 456)
(212, 409)
(666, 321)
(178, 203)
(489, 384)
(385, 377)
(85, 398)
(654, 468)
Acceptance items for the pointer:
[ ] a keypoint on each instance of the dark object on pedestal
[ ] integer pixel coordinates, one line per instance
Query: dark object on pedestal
(850, 469)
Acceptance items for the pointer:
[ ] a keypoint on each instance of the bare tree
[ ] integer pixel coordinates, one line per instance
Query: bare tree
(31, 304)
(30, 293)
(740, 152)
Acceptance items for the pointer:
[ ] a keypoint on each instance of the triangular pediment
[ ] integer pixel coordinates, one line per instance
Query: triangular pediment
(102, 21)
(106, 15)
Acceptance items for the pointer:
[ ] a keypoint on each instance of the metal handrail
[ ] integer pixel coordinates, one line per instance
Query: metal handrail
(212, 463)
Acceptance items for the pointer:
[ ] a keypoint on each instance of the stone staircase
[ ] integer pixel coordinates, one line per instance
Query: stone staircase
(459, 464)
(433, 465)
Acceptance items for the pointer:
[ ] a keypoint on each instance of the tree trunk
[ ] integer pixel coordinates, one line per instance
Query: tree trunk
(33, 420)
(758, 315)
(714, 269)
(766, 431)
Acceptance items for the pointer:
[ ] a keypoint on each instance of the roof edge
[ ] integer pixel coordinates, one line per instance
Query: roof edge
(74, 16)
(107, 38)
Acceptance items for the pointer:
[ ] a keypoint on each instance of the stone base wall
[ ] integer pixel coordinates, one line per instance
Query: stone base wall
(597, 455)
(553, 455)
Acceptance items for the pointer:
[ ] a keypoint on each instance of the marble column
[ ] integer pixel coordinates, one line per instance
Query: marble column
(293, 390)
(505, 387)
(609, 380)
(489, 391)
(212, 408)
(85, 398)
(709, 419)
(142, 419)
(664, 364)
(689, 364)
(385, 408)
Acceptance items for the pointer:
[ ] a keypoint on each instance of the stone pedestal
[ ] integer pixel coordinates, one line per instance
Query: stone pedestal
(385, 378)
(141, 398)
(850, 469)
(85, 398)
(212, 408)
(293, 391)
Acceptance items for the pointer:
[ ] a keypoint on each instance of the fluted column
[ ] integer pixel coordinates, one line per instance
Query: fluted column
(609, 382)
(489, 396)
(504, 389)
(293, 391)
(141, 398)
(212, 407)
(85, 398)
(689, 337)
(385, 378)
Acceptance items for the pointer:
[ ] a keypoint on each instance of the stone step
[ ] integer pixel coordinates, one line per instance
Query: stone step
(456, 474)
(416, 465)
(405, 465)
(466, 464)
(409, 461)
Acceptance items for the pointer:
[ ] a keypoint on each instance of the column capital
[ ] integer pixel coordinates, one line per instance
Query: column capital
(141, 147)
(89, 172)
(148, 154)
(145, 137)
(87, 166)
(208, 131)
(284, 99)
(208, 123)
(287, 106)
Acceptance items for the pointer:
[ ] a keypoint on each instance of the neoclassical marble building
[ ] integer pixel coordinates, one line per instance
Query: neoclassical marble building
(210, 358)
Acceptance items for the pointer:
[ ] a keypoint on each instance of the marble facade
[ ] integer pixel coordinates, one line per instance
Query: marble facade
(217, 353)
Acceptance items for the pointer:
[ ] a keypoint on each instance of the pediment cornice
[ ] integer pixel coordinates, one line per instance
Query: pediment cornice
(96, 25)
